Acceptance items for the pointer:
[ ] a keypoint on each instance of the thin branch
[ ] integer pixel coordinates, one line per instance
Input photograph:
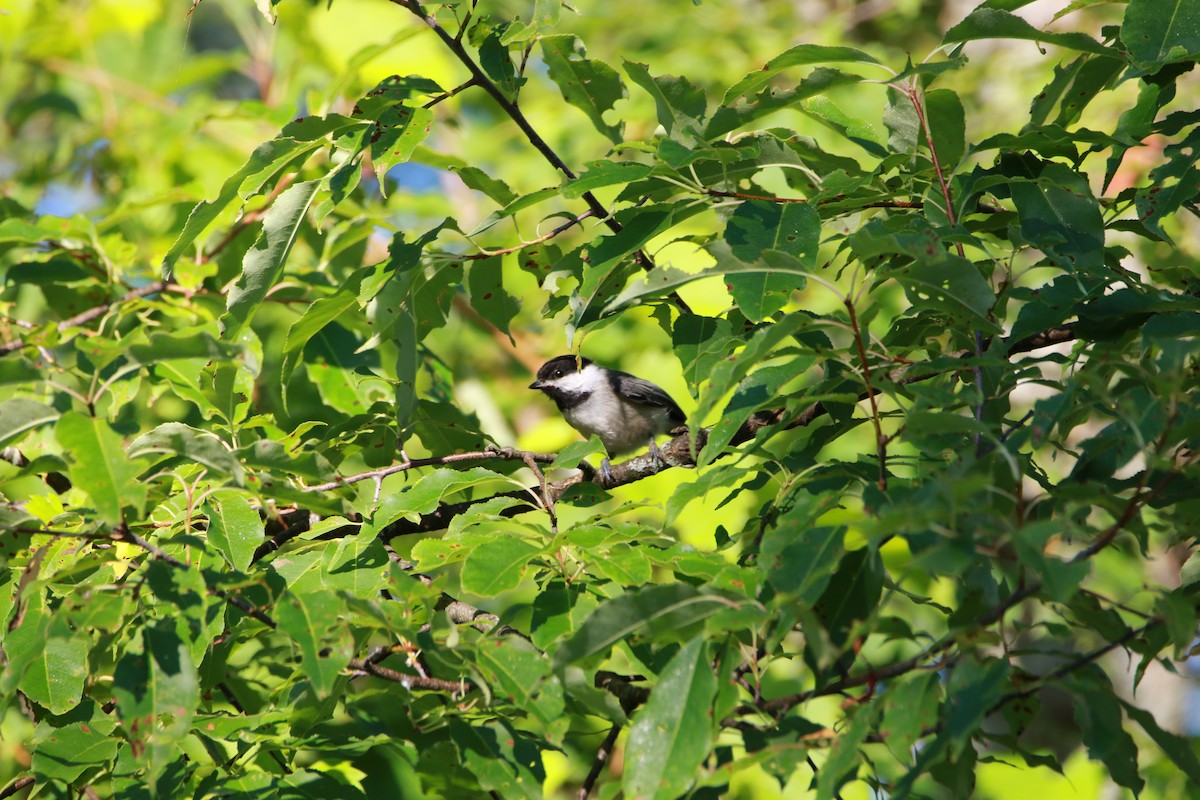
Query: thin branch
(16, 785)
(455, 45)
(561, 229)
(247, 219)
(880, 440)
(499, 454)
(602, 756)
(455, 689)
(93, 313)
(123, 533)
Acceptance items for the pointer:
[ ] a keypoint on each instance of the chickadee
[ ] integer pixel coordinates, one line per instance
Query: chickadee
(624, 411)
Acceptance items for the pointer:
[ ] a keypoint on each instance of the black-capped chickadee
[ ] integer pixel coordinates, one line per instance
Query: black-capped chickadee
(624, 411)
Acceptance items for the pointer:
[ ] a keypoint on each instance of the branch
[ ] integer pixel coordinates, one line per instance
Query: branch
(499, 454)
(602, 756)
(480, 78)
(92, 313)
(123, 533)
(17, 785)
(455, 689)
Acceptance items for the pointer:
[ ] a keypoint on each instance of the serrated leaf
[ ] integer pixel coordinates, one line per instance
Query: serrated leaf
(800, 558)
(505, 763)
(1098, 715)
(680, 104)
(608, 258)
(424, 496)
(485, 284)
(844, 758)
(312, 620)
(659, 610)
(1057, 212)
(1178, 749)
(234, 528)
(672, 733)
(591, 86)
(520, 674)
(498, 566)
(948, 285)
(100, 465)
(263, 263)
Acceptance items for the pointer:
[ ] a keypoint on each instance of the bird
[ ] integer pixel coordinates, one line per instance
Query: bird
(624, 411)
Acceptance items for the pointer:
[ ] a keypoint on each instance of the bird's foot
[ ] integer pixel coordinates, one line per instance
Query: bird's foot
(606, 475)
(657, 454)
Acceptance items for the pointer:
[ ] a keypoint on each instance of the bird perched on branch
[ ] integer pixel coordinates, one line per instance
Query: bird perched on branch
(626, 412)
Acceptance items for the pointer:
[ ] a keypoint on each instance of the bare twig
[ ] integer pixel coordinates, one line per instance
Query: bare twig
(602, 756)
(455, 689)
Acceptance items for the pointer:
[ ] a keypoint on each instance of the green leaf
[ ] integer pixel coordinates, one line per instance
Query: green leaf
(505, 763)
(987, 23)
(318, 314)
(424, 496)
(267, 159)
(608, 262)
(485, 284)
(758, 231)
(1178, 749)
(263, 264)
(157, 692)
(498, 566)
(100, 466)
(20, 415)
(591, 86)
(55, 675)
(800, 558)
(1157, 32)
(63, 754)
(661, 611)
(680, 104)
(1058, 213)
(521, 675)
(948, 285)
(599, 174)
(1098, 715)
(234, 528)
(672, 734)
(192, 444)
(973, 689)
(910, 709)
(313, 620)
(800, 55)
(745, 111)
(844, 757)
(947, 123)
(398, 132)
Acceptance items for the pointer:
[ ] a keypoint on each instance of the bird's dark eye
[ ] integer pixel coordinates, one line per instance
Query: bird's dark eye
(558, 373)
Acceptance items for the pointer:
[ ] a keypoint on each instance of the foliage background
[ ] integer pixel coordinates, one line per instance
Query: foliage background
(152, 647)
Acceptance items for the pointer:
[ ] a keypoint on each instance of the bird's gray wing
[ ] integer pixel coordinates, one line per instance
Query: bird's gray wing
(646, 393)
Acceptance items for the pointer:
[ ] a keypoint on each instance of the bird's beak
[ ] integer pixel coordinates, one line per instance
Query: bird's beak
(536, 385)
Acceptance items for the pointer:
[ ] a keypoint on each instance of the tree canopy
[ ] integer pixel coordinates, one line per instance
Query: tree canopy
(279, 517)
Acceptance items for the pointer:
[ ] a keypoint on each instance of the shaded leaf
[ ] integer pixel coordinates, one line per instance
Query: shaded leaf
(672, 733)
